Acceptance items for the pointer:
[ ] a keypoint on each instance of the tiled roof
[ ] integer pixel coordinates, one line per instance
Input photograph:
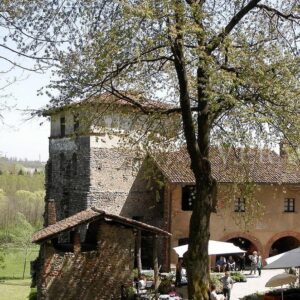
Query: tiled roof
(108, 99)
(232, 165)
(88, 216)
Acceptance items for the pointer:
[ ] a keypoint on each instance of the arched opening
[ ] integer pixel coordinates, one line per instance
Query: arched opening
(242, 260)
(284, 244)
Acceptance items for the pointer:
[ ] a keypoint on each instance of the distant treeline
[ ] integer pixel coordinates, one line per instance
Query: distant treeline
(21, 194)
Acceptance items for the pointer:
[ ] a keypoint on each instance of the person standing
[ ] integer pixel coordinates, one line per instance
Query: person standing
(227, 282)
(179, 272)
(243, 262)
(259, 263)
(231, 264)
(254, 261)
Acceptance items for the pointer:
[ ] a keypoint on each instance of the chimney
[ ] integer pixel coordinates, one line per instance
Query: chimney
(51, 210)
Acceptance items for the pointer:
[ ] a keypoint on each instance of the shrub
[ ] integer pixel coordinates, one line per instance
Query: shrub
(165, 286)
(238, 277)
(215, 279)
(33, 294)
(255, 296)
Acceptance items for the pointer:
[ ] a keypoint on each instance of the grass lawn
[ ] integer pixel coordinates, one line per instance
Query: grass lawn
(14, 289)
(14, 262)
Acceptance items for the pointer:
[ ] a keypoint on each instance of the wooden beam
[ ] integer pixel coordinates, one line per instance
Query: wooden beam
(139, 251)
(155, 266)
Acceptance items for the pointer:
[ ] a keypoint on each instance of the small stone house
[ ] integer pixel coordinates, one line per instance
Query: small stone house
(96, 267)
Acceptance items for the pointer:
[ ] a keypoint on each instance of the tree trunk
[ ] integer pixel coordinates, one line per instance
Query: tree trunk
(24, 265)
(197, 256)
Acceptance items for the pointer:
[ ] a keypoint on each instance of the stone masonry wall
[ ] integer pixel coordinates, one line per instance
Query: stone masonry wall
(118, 186)
(94, 275)
(68, 174)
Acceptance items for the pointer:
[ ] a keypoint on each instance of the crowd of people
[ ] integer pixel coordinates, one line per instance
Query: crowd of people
(230, 264)
(226, 265)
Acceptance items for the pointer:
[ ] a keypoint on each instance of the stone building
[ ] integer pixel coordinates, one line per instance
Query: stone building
(89, 166)
(98, 267)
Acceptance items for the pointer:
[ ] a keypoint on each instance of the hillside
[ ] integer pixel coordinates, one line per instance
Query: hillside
(13, 165)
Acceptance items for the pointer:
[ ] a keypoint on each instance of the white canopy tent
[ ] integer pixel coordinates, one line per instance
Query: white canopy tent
(214, 248)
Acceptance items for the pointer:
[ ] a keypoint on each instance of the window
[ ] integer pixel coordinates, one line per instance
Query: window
(188, 197)
(76, 123)
(289, 205)
(49, 172)
(239, 205)
(74, 164)
(62, 162)
(62, 126)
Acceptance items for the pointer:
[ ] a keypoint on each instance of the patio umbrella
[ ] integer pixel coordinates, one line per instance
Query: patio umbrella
(214, 248)
(287, 259)
(280, 280)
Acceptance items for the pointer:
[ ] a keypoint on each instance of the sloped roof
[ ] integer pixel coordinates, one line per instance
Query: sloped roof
(88, 216)
(232, 165)
(108, 99)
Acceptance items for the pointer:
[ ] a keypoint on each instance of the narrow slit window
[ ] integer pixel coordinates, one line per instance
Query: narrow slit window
(76, 123)
(62, 126)
(74, 164)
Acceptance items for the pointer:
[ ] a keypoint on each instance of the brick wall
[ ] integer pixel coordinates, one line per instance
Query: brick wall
(89, 275)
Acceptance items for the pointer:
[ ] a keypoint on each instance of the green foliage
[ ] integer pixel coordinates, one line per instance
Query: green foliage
(33, 294)
(215, 279)
(255, 296)
(20, 194)
(14, 262)
(165, 286)
(238, 276)
(1, 258)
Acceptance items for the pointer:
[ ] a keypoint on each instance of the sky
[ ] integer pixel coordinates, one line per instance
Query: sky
(20, 137)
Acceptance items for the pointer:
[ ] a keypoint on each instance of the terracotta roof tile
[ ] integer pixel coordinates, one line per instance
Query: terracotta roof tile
(88, 216)
(232, 165)
(108, 100)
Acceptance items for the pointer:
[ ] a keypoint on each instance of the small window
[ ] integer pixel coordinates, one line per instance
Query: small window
(49, 172)
(76, 123)
(74, 164)
(188, 197)
(62, 162)
(289, 205)
(239, 205)
(62, 126)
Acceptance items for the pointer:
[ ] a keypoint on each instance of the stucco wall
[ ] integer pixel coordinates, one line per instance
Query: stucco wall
(275, 221)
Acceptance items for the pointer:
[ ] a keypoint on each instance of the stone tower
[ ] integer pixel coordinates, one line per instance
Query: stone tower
(89, 166)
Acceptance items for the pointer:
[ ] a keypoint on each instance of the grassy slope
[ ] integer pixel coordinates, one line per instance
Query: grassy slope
(14, 263)
(14, 289)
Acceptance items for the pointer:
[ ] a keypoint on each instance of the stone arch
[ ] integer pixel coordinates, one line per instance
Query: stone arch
(255, 241)
(278, 236)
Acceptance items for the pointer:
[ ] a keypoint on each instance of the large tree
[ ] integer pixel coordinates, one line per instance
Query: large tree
(230, 68)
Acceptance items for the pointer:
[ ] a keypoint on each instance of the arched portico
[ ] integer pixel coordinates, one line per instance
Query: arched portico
(288, 239)
(244, 235)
